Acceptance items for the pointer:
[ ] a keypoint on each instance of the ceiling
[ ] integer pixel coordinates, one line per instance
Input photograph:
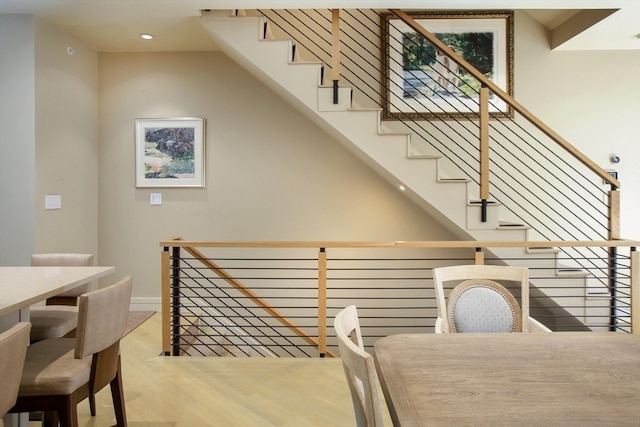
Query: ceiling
(115, 25)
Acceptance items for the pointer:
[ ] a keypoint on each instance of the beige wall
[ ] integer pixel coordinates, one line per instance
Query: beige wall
(17, 139)
(271, 173)
(66, 142)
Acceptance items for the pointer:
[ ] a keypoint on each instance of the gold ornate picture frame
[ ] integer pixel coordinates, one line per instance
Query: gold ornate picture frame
(483, 38)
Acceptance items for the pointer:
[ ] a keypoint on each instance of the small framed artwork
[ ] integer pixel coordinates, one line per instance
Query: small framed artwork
(170, 152)
(420, 82)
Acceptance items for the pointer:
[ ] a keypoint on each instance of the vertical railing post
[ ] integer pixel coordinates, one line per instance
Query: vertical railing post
(614, 234)
(322, 302)
(166, 292)
(175, 301)
(478, 257)
(484, 150)
(614, 213)
(613, 288)
(635, 291)
(335, 52)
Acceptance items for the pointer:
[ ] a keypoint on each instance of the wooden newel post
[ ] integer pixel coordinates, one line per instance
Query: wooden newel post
(478, 257)
(614, 214)
(322, 302)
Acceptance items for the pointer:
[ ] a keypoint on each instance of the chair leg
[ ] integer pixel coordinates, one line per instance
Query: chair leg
(92, 404)
(50, 419)
(117, 395)
(68, 412)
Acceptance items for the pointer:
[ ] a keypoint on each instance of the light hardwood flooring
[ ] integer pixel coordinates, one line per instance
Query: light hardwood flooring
(226, 392)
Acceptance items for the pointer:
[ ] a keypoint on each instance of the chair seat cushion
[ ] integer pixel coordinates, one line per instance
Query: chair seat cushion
(52, 321)
(51, 369)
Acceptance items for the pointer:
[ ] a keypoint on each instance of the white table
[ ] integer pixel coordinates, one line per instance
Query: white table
(533, 379)
(21, 287)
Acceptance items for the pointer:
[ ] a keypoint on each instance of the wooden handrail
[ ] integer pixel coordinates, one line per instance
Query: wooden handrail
(450, 244)
(508, 99)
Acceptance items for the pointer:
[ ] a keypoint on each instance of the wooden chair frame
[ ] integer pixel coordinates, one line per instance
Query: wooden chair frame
(105, 361)
(486, 272)
(359, 368)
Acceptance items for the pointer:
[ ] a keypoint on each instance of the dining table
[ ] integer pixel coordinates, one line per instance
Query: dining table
(511, 379)
(22, 287)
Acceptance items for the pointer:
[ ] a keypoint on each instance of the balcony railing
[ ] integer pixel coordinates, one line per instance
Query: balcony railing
(278, 299)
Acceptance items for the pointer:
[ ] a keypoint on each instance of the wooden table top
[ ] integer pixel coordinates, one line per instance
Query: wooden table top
(21, 287)
(533, 379)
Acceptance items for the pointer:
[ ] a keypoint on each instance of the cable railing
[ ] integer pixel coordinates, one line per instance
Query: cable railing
(558, 194)
(278, 299)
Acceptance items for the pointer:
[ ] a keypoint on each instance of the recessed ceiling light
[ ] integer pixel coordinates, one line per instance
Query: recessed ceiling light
(146, 36)
(401, 187)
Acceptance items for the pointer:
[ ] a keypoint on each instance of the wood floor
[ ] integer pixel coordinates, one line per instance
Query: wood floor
(226, 392)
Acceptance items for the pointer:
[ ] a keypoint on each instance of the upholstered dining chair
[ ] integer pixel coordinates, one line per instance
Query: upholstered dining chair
(60, 372)
(359, 368)
(59, 317)
(478, 303)
(13, 349)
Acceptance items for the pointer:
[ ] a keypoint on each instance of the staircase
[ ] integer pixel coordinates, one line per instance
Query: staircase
(450, 199)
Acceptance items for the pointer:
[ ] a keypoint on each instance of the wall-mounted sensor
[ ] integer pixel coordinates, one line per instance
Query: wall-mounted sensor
(614, 159)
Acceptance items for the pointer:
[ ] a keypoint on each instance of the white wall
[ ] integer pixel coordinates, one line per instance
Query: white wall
(17, 139)
(271, 173)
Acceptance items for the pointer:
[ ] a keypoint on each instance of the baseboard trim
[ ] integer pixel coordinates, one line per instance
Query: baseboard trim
(146, 304)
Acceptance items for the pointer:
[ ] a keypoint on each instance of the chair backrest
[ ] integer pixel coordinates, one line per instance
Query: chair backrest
(483, 306)
(478, 303)
(102, 318)
(65, 260)
(359, 368)
(13, 349)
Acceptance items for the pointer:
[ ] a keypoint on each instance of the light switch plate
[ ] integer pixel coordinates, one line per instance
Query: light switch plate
(155, 198)
(53, 201)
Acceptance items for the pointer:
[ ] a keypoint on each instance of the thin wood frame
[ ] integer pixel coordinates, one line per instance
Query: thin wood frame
(170, 152)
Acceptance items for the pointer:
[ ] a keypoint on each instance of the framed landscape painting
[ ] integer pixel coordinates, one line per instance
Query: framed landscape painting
(170, 152)
(416, 82)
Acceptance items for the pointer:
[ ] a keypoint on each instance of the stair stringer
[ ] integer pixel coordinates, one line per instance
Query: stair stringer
(359, 130)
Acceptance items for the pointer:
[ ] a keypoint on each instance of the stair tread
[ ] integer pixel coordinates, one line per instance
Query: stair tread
(424, 156)
(475, 202)
(513, 227)
(305, 62)
(448, 180)
(364, 109)
(571, 271)
(546, 249)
